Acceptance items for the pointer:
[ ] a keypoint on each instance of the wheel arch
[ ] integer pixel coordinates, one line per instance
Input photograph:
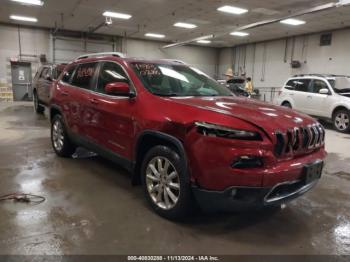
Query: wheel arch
(337, 108)
(54, 110)
(284, 101)
(148, 139)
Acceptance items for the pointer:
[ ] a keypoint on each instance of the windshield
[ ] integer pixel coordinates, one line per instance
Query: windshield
(340, 84)
(177, 80)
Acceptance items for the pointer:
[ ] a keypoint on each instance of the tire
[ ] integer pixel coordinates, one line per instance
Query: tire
(287, 104)
(61, 144)
(173, 202)
(39, 109)
(341, 121)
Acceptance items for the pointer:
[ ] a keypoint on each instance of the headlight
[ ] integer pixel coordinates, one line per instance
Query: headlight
(214, 130)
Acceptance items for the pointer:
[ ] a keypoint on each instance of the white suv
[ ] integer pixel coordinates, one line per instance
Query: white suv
(322, 96)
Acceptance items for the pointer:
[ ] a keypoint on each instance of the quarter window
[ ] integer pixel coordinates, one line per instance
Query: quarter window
(83, 75)
(290, 85)
(110, 73)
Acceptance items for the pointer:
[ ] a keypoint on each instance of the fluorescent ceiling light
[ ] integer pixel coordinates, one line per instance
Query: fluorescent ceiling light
(185, 25)
(239, 33)
(23, 18)
(154, 35)
(204, 41)
(29, 2)
(232, 10)
(116, 15)
(292, 21)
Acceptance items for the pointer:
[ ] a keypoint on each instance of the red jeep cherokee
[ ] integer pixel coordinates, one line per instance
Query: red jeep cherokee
(183, 136)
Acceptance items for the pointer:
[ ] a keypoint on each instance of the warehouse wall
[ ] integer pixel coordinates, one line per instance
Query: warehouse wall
(269, 62)
(204, 58)
(33, 43)
(38, 41)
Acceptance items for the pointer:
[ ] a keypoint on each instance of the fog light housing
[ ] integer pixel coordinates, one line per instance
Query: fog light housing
(247, 162)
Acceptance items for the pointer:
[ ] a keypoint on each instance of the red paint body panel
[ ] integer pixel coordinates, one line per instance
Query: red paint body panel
(115, 123)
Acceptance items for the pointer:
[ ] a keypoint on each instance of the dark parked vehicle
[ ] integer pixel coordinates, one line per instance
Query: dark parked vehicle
(42, 84)
(237, 86)
(183, 136)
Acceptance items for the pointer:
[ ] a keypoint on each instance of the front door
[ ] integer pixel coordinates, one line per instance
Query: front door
(319, 104)
(111, 124)
(21, 73)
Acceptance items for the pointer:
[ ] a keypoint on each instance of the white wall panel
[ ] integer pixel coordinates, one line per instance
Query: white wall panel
(334, 59)
(204, 58)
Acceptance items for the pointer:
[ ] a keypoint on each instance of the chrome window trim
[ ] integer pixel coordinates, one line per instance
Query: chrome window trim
(99, 62)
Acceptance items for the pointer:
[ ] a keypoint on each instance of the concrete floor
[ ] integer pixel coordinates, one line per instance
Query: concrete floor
(91, 208)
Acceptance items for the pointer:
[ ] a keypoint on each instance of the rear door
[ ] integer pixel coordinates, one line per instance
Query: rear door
(319, 104)
(301, 87)
(111, 124)
(78, 95)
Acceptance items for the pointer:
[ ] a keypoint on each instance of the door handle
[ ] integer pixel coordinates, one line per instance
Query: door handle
(309, 96)
(94, 101)
(64, 93)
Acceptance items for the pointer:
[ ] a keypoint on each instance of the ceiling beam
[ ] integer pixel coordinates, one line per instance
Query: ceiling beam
(271, 21)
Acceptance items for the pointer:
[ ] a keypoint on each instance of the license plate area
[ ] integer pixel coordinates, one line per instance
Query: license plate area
(313, 171)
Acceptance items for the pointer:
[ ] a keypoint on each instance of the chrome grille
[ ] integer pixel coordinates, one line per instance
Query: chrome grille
(299, 139)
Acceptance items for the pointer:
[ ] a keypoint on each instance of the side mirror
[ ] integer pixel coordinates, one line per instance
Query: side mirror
(324, 91)
(118, 89)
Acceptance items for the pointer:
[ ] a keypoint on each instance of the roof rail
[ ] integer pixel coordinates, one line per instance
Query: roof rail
(320, 75)
(116, 54)
(175, 61)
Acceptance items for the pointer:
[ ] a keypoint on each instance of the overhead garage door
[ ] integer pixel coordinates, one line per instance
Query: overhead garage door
(67, 49)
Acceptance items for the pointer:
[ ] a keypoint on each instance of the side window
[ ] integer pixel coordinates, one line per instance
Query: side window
(83, 75)
(302, 85)
(44, 72)
(58, 71)
(68, 74)
(54, 73)
(110, 73)
(317, 85)
(290, 85)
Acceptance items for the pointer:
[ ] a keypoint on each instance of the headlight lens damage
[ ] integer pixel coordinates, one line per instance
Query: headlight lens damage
(214, 130)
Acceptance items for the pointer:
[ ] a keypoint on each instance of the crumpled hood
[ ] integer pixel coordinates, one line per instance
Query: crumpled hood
(263, 115)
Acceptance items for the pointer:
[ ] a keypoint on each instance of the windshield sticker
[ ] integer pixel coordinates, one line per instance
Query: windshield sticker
(147, 69)
(85, 72)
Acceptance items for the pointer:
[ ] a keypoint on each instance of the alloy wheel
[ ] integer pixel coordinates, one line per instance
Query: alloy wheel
(163, 182)
(58, 135)
(342, 121)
